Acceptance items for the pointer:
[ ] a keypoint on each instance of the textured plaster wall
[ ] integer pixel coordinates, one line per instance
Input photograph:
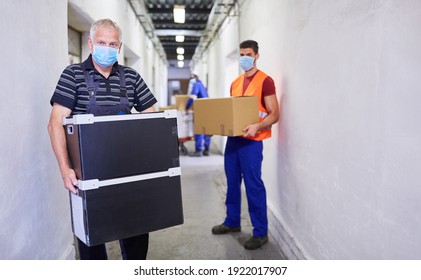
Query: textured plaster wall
(342, 170)
(345, 181)
(34, 208)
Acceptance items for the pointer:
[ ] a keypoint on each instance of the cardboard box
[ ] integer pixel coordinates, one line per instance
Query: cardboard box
(225, 116)
(181, 101)
(171, 107)
(128, 172)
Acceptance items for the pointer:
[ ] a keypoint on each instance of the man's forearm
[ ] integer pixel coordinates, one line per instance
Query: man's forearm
(58, 142)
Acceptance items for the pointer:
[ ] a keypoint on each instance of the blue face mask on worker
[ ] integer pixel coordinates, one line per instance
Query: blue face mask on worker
(246, 62)
(105, 56)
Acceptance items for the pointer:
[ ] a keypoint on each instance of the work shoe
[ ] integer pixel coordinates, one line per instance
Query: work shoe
(222, 229)
(196, 154)
(255, 242)
(206, 152)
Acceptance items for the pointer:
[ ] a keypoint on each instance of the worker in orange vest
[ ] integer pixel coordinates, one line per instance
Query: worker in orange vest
(244, 154)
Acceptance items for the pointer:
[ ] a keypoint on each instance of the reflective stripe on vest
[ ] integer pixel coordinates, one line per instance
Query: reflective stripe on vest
(254, 89)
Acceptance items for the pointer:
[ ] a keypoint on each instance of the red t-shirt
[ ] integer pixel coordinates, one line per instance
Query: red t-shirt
(268, 87)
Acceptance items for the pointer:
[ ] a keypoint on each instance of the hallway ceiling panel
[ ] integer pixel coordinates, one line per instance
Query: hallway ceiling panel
(161, 14)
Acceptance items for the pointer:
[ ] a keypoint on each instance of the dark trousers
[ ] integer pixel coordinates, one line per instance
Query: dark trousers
(132, 248)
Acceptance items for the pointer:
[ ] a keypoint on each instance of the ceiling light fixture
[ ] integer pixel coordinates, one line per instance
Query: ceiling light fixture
(179, 14)
(180, 63)
(180, 50)
(180, 57)
(179, 38)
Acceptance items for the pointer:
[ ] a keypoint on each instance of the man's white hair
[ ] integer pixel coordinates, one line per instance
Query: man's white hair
(106, 24)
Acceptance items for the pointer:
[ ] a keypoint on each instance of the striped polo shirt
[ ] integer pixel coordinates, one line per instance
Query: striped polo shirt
(71, 90)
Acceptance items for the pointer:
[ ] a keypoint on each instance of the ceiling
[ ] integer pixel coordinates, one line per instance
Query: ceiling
(161, 15)
(156, 17)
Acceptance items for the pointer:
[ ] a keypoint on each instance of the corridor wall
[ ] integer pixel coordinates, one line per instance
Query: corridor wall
(34, 206)
(342, 170)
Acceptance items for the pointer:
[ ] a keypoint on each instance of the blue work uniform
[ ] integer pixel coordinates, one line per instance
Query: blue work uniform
(202, 141)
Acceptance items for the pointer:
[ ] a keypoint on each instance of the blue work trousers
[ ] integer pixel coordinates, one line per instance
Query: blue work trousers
(202, 141)
(243, 159)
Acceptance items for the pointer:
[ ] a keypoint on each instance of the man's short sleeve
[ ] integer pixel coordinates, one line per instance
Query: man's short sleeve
(144, 98)
(268, 87)
(65, 92)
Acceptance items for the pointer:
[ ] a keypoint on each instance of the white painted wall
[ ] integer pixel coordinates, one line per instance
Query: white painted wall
(34, 206)
(342, 170)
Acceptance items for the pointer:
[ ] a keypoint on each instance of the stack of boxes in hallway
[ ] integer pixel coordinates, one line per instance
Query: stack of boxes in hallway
(129, 175)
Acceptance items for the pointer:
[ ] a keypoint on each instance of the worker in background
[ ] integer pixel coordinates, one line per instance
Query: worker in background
(197, 89)
(244, 154)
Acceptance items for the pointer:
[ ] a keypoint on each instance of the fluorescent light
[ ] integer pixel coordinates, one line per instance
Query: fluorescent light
(180, 50)
(180, 57)
(179, 14)
(180, 63)
(179, 38)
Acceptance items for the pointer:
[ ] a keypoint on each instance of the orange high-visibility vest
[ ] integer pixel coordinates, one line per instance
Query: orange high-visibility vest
(254, 89)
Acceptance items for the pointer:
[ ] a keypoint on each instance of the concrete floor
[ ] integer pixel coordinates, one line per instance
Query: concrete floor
(203, 188)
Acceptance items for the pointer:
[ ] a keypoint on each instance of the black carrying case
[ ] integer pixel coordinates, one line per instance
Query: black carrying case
(129, 175)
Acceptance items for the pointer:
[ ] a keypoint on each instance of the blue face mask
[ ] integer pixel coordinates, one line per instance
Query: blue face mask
(246, 62)
(105, 56)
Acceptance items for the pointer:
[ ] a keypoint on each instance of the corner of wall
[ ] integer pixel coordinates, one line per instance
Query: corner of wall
(69, 254)
(286, 242)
